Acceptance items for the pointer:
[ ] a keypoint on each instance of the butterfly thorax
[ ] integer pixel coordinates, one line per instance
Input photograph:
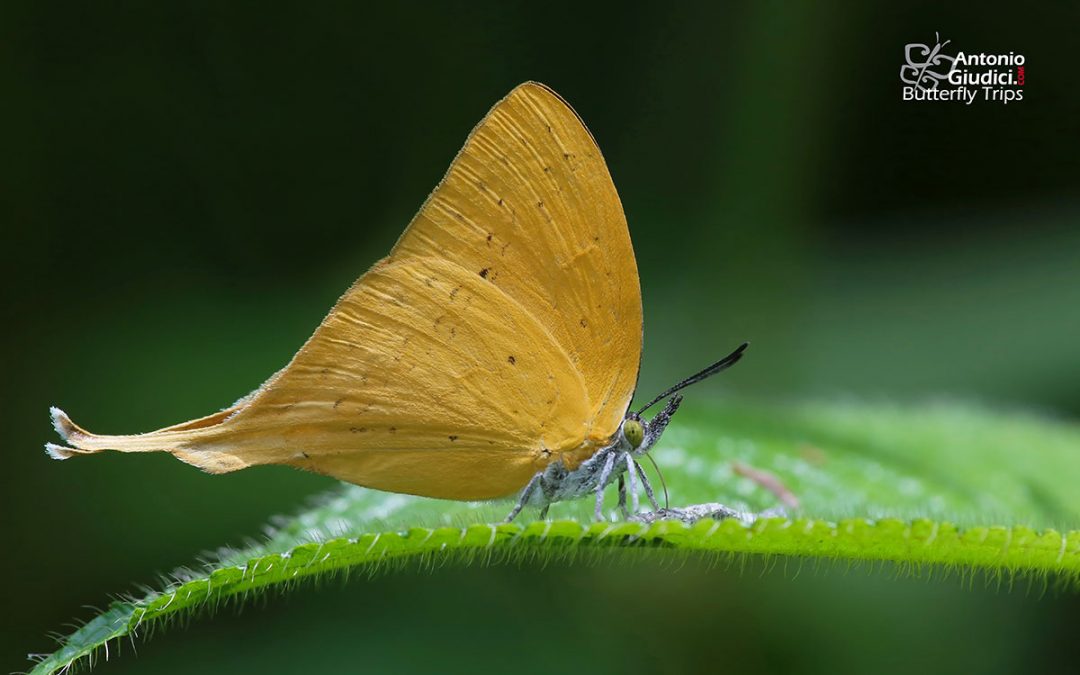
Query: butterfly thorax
(561, 482)
(634, 438)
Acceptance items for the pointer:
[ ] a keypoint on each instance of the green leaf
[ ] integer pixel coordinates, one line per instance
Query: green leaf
(942, 484)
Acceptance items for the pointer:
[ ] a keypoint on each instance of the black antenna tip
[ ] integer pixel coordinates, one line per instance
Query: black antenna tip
(715, 368)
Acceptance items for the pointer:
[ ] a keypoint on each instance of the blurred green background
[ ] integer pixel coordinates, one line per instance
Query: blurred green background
(187, 187)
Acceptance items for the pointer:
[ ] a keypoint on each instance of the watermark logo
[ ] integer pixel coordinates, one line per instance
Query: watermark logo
(932, 73)
(925, 67)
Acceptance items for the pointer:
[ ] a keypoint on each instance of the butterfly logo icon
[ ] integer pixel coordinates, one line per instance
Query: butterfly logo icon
(926, 66)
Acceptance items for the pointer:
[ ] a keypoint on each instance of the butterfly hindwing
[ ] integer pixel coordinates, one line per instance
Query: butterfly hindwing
(424, 379)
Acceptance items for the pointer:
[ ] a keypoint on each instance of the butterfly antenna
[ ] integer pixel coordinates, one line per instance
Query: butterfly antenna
(723, 364)
(663, 483)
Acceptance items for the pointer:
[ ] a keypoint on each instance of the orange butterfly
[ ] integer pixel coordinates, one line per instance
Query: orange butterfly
(494, 352)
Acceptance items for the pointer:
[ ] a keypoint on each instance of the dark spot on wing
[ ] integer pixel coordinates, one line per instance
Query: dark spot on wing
(338, 402)
(393, 430)
(584, 322)
(484, 272)
(452, 438)
(511, 360)
(306, 456)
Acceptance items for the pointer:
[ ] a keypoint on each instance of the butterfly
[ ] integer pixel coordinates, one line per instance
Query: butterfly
(493, 353)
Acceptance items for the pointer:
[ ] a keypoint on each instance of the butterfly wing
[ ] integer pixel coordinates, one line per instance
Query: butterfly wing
(502, 333)
(529, 205)
(425, 380)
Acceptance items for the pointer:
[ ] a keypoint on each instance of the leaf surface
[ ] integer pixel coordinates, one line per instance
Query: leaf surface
(941, 484)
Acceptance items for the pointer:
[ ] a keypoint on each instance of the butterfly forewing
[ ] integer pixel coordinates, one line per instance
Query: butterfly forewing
(529, 205)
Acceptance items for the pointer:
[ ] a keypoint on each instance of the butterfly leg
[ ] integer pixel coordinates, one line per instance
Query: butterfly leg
(526, 494)
(605, 474)
(622, 497)
(631, 478)
(648, 486)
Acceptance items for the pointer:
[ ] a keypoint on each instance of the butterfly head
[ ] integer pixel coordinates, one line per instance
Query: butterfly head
(632, 434)
(633, 431)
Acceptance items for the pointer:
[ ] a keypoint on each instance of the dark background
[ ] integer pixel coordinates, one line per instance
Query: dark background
(186, 187)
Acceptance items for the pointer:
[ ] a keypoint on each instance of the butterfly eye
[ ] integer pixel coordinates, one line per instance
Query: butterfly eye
(633, 432)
